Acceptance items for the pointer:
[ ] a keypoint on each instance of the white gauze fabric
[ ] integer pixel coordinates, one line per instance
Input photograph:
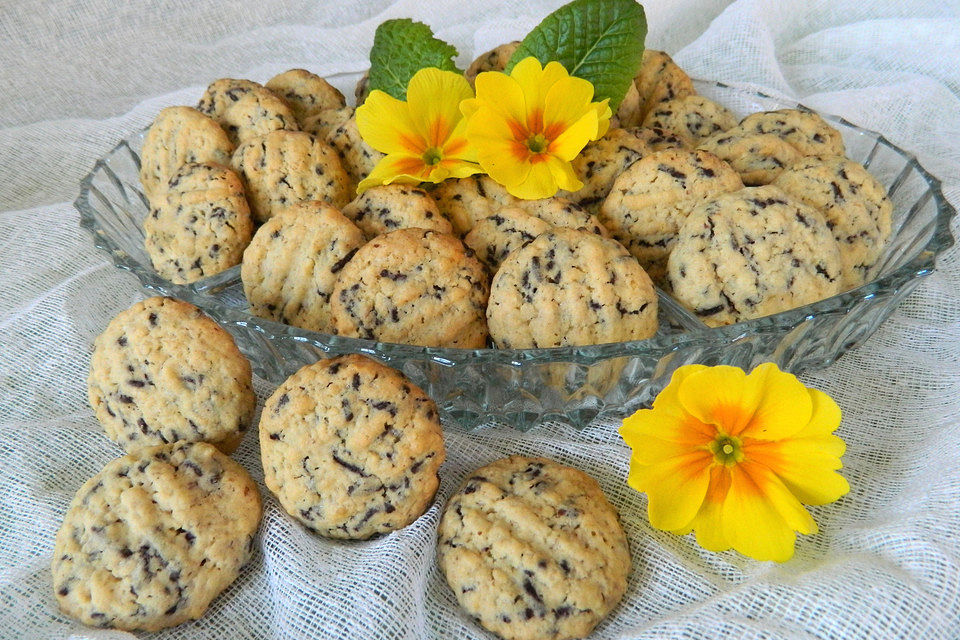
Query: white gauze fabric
(78, 76)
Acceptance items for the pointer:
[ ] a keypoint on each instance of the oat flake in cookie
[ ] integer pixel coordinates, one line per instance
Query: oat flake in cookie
(179, 135)
(570, 287)
(751, 253)
(292, 264)
(163, 372)
(153, 538)
(286, 167)
(351, 447)
(532, 549)
(413, 286)
(200, 225)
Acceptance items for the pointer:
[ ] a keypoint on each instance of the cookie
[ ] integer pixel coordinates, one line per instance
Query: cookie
(628, 111)
(651, 199)
(358, 158)
(854, 203)
(246, 110)
(305, 93)
(660, 79)
(466, 201)
(291, 266)
(809, 134)
(326, 121)
(362, 90)
(601, 161)
(511, 228)
(286, 167)
(570, 287)
(533, 549)
(494, 60)
(163, 372)
(694, 118)
(201, 224)
(752, 253)
(497, 236)
(179, 135)
(351, 447)
(395, 206)
(153, 538)
(757, 157)
(413, 286)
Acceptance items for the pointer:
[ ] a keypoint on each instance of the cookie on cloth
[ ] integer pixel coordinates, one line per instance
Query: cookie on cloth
(651, 199)
(200, 225)
(389, 207)
(494, 60)
(305, 93)
(660, 79)
(351, 447)
(694, 118)
(752, 253)
(854, 203)
(246, 110)
(153, 538)
(162, 372)
(291, 266)
(413, 286)
(286, 167)
(179, 135)
(570, 287)
(466, 201)
(532, 549)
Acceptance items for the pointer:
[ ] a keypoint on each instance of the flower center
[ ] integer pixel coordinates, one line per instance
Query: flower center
(726, 450)
(432, 156)
(537, 143)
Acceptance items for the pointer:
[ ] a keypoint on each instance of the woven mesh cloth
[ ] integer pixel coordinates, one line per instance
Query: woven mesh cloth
(77, 77)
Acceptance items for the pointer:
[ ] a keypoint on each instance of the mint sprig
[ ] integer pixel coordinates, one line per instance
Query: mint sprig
(600, 41)
(402, 47)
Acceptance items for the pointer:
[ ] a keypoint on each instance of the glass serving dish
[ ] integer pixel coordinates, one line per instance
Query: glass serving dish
(523, 387)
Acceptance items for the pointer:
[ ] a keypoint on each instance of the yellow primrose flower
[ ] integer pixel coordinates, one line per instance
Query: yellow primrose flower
(423, 137)
(732, 456)
(529, 125)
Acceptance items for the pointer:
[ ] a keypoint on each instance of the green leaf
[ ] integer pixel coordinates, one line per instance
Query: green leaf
(600, 41)
(401, 48)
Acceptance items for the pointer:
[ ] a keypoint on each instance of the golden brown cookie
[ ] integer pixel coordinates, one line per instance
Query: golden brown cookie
(395, 206)
(305, 93)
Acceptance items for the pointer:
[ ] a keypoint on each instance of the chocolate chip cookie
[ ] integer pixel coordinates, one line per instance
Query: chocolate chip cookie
(326, 121)
(413, 286)
(854, 204)
(694, 118)
(200, 225)
(751, 253)
(494, 60)
(466, 201)
(163, 372)
(651, 199)
(358, 158)
(757, 157)
(153, 538)
(305, 93)
(351, 447)
(246, 110)
(286, 167)
(660, 79)
(809, 133)
(395, 206)
(533, 549)
(291, 266)
(570, 287)
(179, 135)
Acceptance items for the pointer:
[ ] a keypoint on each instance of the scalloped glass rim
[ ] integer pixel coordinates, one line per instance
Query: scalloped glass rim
(696, 335)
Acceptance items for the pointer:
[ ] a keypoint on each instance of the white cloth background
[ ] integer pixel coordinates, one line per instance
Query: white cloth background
(77, 75)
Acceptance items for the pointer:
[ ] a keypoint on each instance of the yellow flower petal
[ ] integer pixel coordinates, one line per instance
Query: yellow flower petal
(716, 395)
(502, 94)
(603, 117)
(433, 99)
(563, 174)
(675, 489)
(538, 184)
(566, 102)
(825, 417)
(783, 405)
(458, 146)
(751, 523)
(386, 125)
(535, 82)
(455, 168)
(708, 523)
(395, 168)
(571, 141)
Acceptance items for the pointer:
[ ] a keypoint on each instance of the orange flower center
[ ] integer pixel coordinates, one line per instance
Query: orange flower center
(727, 450)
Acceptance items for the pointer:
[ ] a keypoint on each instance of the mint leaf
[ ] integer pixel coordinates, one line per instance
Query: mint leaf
(401, 48)
(600, 41)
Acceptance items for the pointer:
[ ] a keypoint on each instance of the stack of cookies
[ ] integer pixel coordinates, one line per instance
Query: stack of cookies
(678, 196)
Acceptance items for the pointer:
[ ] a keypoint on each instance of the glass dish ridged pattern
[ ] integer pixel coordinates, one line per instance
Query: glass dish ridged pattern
(576, 385)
